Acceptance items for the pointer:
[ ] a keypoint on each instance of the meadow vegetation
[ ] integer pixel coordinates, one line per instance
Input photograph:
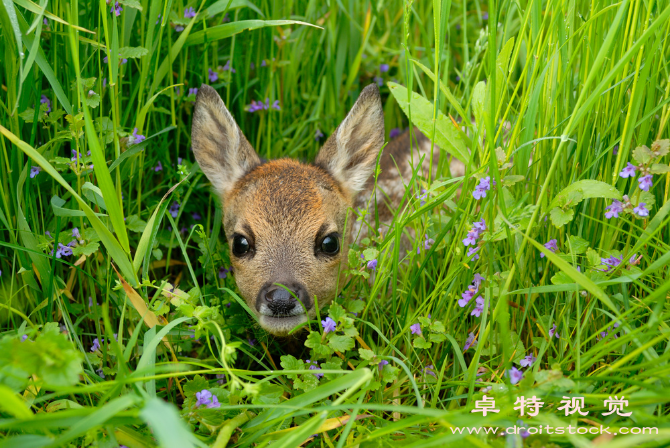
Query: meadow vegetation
(543, 271)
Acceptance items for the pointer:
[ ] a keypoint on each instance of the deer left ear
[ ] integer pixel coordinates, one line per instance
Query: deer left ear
(350, 153)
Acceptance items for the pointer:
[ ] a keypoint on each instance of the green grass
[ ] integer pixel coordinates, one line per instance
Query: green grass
(574, 91)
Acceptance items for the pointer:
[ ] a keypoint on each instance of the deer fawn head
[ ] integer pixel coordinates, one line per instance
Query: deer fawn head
(285, 220)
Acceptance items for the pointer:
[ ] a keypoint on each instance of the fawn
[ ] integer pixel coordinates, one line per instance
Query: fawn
(285, 220)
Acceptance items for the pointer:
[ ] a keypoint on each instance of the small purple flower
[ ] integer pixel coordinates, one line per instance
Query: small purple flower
(524, 433)
(45, 21)
(137, 138)
(382, 363)
(473, 251)
(328, 325)
(615, 149)
(226, 67)
(633, 260)
(614, 209)
(47, 101)
(480, 226)
(645, 182)
(528, 361)
(479, 308)
(318, 135)
(34, 171)
(551, 245)
(174, 209)
(611, 262)
(158, 167)
(469, 342)
(429, 370)
(24, 337)
(641, 210)
(471, 238)
(203, 397)
(478, 279)
(178, 28)
(275, 105)
(214, 404)
(100, 373)
(75, 233)
(394, 133)
(62, 251)
(223, 272)
(96, 345)
(116, 9)
(213, 76)
(485, 16)
(415, 328)
(193, 91)
(195, 215)
(189, 13)
(159, 19)
(468, 295)
(515, 375)
(383, 68)
(428, 242)
(552, 332)
(252, 342)
(372, 264)
(221, 379)
(379, 80)
(263, 63)
(629, 171)
(482, 187)
(316, 367)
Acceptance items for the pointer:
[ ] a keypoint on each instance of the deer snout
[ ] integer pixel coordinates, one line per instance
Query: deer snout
(283, 300)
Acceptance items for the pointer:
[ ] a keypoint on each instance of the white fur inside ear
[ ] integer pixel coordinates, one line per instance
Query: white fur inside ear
(222, 152)
(350, 154)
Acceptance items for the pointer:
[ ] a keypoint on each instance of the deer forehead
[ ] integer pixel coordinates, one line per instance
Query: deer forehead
(284, 196)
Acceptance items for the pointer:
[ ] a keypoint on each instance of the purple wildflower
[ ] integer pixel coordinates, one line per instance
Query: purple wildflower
(471, 238)
(469, 342)
(383, 68)
(158, 167)
(189, 13)
(394, 133)
(328, 325)
(641, 210)
(75, 233)
(633, 260)
(116, 9)
(45, 21)
(485, 16)
(614, 209)
(214, 404)
(47, 101)
(611, 262)
(316, 367)
(203, 397)
(515, 375)
(263, 63)
(174, 209)
(480, 226)
(382, 363)
(223, 272)
(137, 138)
(104, 83)
(195, 215)
(159, 19)
(193, 91)
(276, 105)
(96, 345)
(551, 245)
(24, 337)
(34, 171)
(479, 308)
(629, 171)
(429, 370)
(318, 135)
(528, 361)
(252, 342)
(553, 331)
(179, 28)
(615, 150)
(415, 328)
(372, 264)
(474, 250)
(62, 251)
(100, 373)
(226, 67)
(482, 187)
(213, 76)
(379, 80)
(645, 182)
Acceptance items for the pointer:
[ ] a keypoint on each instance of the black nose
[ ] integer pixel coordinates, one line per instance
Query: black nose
(283, 299)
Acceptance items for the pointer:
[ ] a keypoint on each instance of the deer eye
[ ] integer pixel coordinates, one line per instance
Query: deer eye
(330, 245)
(241, 246)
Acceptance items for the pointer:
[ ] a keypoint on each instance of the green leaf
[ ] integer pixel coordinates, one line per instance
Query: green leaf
(511, 180)
(166, 424)
(661, 147)
(420, 342)
(336, 312)
(135, 224)
(642, 155)
(333, 364)
(366, 354)
(477, 103)
(132, 52)
(659, 168)
(341, 343)
(131, 4)
(588, 189)
(93, 194)
(447, 137)
(370, 254)
(389, 373)
(578, 245)
(195, 385)
(560, 217)
(437, 337)
(314, 342)
(87, 249)
(230, 29)
(220, 6)
(593, 257)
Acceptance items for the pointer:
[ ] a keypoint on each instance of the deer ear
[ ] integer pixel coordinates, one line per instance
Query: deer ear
(220, 148)
(349, 154)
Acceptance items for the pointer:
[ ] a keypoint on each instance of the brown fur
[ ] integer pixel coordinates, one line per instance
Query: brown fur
(285, 208)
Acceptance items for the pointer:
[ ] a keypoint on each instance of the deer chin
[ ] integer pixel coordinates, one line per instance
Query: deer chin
(281, 325)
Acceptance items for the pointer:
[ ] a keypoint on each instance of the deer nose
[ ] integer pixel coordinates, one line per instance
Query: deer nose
(281, 300)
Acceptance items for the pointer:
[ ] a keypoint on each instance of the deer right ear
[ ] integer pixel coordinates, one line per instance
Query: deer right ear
(220, 148)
